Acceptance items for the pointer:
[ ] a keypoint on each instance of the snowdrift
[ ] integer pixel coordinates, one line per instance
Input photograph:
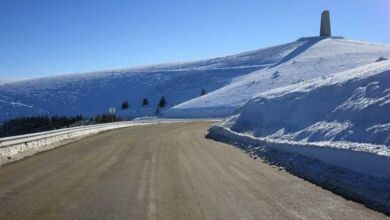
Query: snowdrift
(333, 130)
(314, 57)
(349, 106)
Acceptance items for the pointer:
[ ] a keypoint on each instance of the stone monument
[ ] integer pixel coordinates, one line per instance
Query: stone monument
(325, 24)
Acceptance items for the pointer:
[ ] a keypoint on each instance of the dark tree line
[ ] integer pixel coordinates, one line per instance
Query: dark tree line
(25, 125)
(103, 118)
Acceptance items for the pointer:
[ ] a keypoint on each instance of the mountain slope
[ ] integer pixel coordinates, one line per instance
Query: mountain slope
(315, 57)
(94, 93)
(351, 106)
(230, 81)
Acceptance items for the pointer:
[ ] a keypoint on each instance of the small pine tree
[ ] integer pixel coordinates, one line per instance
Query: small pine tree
(203, 92)
(125, 105)
(275, 75)
(162, 102)
(145, 102)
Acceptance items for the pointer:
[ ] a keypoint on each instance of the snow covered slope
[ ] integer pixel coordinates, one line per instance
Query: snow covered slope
(333, 130)
(94, 93)
(351, 106)
(313, 58)
(230, 81)
(4, 81)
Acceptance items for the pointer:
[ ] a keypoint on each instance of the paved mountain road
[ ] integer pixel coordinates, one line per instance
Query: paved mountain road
(165, 171)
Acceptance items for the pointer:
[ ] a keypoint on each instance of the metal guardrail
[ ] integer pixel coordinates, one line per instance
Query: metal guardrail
(40, 133)
(9, 141)
(20, 139)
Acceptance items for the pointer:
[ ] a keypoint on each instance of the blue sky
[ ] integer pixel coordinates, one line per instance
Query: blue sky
(52, 37)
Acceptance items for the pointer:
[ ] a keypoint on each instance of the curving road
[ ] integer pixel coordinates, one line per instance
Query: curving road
(166, 171)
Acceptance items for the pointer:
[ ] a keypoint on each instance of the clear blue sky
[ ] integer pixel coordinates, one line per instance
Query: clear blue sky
(51, 37)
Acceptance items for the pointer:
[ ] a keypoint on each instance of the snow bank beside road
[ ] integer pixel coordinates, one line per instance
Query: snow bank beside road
(334, 131)
(18, 147)
(372, 160)
(363, 177)
(351, 106)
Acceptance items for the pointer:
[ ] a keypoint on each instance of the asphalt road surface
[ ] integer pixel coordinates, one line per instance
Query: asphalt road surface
(166, 171)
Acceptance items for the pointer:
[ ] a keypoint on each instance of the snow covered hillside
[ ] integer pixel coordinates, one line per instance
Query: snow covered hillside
(94, 93)
(333, 130)
(315, 57)
(230, 81)
(351, 106)
(4, 81)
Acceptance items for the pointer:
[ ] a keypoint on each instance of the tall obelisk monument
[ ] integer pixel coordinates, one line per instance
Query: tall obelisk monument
(325, 24)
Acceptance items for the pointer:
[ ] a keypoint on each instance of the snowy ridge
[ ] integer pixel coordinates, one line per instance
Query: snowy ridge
(94, 93)
(315, 57)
